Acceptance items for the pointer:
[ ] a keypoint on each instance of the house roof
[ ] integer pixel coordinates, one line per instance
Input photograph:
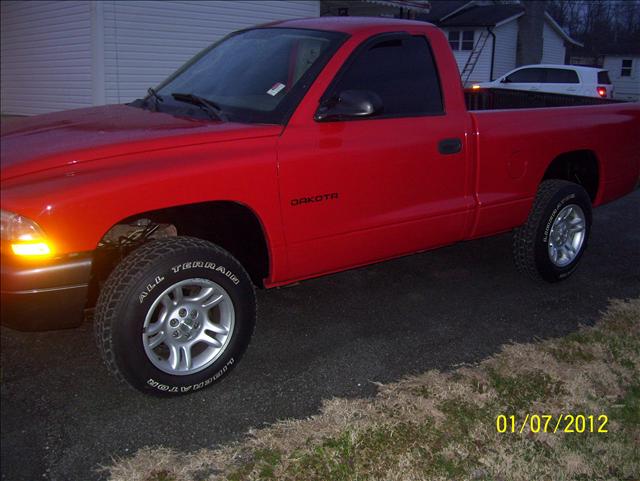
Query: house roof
(622, 48)
(352, 25)
(482, 16)
(559, 30)
(442, 8)
(420, 6)
(606, 47)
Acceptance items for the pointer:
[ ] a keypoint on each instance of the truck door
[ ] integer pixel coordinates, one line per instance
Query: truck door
(356, 189)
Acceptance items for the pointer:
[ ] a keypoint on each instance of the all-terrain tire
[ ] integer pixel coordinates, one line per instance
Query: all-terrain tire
(150, 290)
(533, 243)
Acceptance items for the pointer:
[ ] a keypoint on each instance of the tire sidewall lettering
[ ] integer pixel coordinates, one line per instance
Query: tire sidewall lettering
(150, 287)
(185, 270)
(165, 388)
(206, 265)
(547, 269)
(130, 355)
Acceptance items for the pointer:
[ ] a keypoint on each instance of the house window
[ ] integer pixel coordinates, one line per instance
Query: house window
(461, 40)
(626, 68)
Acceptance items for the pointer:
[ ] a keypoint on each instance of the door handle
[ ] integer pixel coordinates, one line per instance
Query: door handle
(450, 146)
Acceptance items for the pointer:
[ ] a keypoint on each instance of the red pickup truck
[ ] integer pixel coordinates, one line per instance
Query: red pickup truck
(280, 153)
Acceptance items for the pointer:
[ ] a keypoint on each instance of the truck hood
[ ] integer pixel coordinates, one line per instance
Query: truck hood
(77, 136)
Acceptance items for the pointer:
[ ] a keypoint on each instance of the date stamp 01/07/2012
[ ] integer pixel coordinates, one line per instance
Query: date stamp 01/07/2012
(549, 423)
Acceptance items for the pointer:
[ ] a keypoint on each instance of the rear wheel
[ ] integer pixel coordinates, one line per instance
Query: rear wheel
(175, 316)
(554, 238)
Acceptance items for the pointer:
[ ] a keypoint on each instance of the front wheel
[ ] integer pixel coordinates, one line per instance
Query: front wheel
(175, 316)
(550, 244)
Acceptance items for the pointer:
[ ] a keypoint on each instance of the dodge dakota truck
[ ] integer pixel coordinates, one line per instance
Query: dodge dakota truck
(281, 153)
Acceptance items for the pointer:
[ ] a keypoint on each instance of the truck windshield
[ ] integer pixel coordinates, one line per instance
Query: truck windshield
(255, 76)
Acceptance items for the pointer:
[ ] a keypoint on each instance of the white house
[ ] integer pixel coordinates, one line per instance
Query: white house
(624, 72)
(621, 59)
(484, 38)
(483, 34)
(59, 55)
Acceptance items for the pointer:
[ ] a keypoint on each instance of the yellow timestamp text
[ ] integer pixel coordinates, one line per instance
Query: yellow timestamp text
(549, 423)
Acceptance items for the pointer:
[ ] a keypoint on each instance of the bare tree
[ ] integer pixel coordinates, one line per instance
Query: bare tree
(568, 14)
(599, 24)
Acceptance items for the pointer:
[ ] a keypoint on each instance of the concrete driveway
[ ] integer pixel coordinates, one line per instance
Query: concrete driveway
(62, 415)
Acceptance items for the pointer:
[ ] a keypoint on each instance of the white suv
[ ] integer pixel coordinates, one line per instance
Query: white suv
(560, 79)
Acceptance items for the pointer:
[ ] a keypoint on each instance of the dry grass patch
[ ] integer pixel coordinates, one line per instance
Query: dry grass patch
(442, 425)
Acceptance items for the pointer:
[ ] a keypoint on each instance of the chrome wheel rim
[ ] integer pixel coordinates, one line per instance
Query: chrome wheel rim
(188, 326)
(567, 235)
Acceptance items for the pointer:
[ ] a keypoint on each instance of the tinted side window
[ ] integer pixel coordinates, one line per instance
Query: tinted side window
(562, 76)
(527, 75)
(401, 71)
(603, 78)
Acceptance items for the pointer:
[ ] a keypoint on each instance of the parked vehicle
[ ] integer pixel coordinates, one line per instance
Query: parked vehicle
(283, 153)
(560, 79)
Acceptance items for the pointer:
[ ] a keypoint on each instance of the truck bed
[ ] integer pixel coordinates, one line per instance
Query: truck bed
(494, 99)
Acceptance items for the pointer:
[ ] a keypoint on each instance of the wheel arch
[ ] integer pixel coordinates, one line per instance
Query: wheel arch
(231, 225)
(579, 166)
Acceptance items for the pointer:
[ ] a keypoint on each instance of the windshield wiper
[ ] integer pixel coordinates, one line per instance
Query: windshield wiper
(207, 105)
(156, 98)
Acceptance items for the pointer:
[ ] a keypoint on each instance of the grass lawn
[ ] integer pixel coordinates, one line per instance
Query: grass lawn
(445, 425)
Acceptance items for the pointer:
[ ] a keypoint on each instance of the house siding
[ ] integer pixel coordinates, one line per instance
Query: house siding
(482, 69)
(553, 49)
(59, 55)
(505, 55)
(624, 88)
(143, 44)
(505, 51)
(45, 56)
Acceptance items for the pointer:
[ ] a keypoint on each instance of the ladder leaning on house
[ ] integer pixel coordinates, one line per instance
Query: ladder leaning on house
(474, 56)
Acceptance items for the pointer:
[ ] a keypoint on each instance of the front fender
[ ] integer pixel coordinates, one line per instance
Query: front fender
(76, 206)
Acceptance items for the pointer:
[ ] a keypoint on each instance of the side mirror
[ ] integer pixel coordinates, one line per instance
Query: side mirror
(349, 104)
(504, 80)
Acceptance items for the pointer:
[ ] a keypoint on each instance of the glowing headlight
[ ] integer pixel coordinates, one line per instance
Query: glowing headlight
(22, 236)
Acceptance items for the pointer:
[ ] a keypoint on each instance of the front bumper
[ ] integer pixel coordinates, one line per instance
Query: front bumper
(49, 295)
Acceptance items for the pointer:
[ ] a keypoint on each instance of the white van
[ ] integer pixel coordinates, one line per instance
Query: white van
(560, 79)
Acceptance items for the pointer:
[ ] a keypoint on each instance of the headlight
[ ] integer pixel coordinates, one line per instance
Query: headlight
(22, 236)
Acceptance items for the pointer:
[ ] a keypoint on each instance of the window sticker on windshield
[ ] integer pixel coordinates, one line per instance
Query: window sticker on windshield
(277, 87)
